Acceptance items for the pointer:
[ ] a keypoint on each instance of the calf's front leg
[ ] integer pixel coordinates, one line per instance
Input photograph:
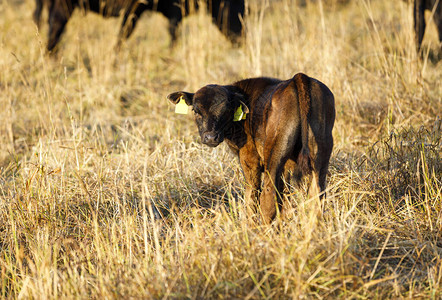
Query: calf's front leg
(252, 172)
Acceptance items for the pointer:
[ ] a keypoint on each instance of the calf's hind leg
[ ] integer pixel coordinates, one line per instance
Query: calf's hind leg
(321, 165)
(277, 150)
(319, 175)
(267, 201)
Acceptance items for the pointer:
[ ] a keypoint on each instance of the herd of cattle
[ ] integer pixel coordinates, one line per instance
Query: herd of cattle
(276, 127)
(226, 14)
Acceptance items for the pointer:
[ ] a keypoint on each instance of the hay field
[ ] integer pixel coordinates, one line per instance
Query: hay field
(106, 193)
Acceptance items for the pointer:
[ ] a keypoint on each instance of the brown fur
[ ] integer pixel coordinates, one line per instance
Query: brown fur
(288, 128)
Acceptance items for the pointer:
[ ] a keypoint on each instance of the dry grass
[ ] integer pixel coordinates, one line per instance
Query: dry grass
(105, 193)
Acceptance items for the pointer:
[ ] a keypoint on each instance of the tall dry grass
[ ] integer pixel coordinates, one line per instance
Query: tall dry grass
(105, 193)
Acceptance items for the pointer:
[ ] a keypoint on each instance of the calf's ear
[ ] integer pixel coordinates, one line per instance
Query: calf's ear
(176, 97)
(239, 100)
(245, 108)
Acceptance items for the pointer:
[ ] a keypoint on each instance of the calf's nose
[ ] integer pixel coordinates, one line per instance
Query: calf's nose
(210, 138)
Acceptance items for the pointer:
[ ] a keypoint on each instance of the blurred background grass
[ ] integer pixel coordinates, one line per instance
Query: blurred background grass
(105, 192)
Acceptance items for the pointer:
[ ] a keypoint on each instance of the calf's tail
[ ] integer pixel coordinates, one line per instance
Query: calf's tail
(303, 87)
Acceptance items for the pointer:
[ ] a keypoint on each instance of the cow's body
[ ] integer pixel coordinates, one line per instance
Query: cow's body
(288, 128)
(226, 14)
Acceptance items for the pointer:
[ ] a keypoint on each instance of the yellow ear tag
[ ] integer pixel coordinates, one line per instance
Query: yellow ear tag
(181, 107)
(239, 114)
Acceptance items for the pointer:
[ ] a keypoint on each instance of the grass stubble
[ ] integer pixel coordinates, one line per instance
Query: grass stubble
(105, 193)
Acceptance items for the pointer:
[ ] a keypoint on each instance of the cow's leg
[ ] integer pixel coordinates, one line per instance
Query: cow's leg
(419, 22)
(252, 172)
(37, 12)
(130, 19)
(174, 14)
(173, 24)
(226, 15)
(59, 15)
(438, 21)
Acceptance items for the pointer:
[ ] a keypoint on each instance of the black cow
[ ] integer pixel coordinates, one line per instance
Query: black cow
(419, 18)
(226, 14)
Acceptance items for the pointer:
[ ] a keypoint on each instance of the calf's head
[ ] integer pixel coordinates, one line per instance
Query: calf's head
(215, 107)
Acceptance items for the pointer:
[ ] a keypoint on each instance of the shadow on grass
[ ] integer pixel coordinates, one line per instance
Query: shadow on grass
(206, 197)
